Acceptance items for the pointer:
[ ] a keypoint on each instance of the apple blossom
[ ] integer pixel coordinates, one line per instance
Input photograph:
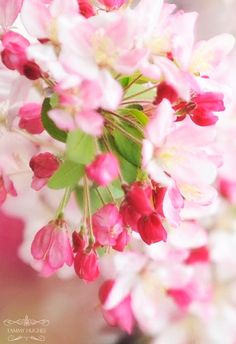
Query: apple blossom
(30, 118)
(86, 265)
(133, 150)
(107, 225)
(51, 245)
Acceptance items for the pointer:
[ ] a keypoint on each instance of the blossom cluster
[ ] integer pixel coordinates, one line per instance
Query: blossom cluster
(120, 109)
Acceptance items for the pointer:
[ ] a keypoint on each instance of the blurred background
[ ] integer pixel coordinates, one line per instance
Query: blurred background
(70, 305)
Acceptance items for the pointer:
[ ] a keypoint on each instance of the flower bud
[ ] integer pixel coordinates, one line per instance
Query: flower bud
(86, 265)
(44, 164)
(30, 118)
(51, 245)
(104, 169)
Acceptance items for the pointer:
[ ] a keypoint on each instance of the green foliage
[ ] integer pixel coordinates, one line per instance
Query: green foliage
(68, 174)
(49, 125)
(136, 113)
(80, 147)
(126, 147)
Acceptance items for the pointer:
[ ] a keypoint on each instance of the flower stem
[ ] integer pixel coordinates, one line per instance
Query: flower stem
(132, 82)
(91, 235)
(63, 203)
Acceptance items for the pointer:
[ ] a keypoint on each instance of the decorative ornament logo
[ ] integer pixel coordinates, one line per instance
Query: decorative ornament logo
(27, 329)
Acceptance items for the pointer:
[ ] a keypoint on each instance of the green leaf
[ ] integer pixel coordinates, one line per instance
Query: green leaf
(126, 147)
(81, 147)
(49, 125)
(68, 174)
(54, 100)
(128, 170)
(139, 115)
(125, 81)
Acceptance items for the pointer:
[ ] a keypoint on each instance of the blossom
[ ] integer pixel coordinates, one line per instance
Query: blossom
(107, 225)
(179, 153)
(6, 187)
(86, 265)
(30, 118)
(9, 10)
(43, 166)
(151, 229)
(104, 169)
(121, 315)
(201, 107)
(14, 55)
(51, 245)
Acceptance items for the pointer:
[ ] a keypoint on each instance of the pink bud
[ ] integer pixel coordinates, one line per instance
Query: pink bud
(104, 169)
(86, 265)
(122, 314)
(51, 245)
(112, 4)
(121, 241)
(139, 196)
(107, 225)
(31, 70)
(79, 243)
(151, 229)
(13, 55)
(30, 118)
(44, 164)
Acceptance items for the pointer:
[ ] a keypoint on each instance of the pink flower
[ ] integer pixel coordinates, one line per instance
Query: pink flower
(139, 196)
(107, 225)
(9, 10)
(43, 165)
(121, 241)
(165, 91)
(112, 4)
(14, 55)
(201, 107)
(179, 154)
(129, 215)
(121, 315)
(51, 245)
(30, 118)
(151, 229)
(6, 187)
(104, 169)
(86, 265)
